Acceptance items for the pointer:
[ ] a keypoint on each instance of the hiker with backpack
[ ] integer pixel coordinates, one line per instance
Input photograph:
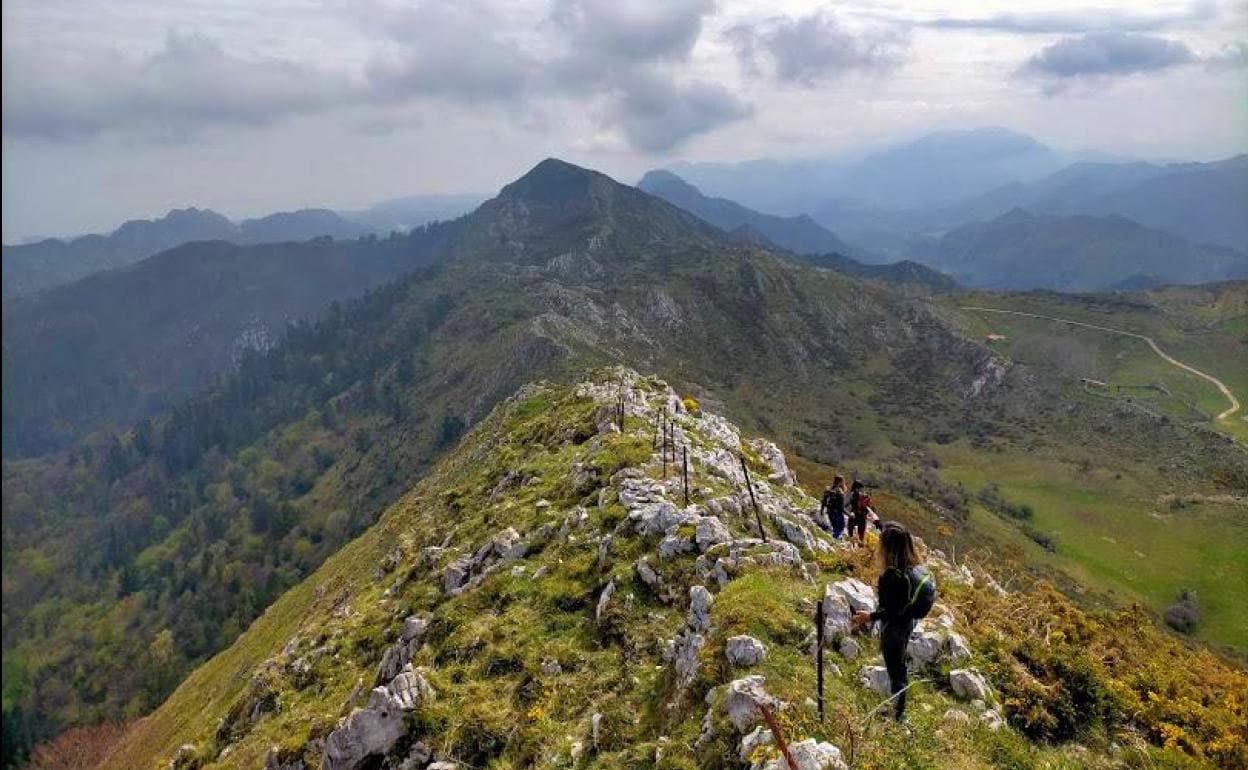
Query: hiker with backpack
(832, 507)
(906, 591)
(859, 508)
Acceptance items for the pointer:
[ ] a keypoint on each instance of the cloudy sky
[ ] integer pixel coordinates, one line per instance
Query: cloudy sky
(115, 109)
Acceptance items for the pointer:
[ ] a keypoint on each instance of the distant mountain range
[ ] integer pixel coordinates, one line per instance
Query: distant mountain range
(1021, 250)
(34, 267)
(799, 234)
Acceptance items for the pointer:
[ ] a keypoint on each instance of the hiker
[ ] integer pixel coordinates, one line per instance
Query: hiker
(832, 508)
(906, 592)
(859, 508)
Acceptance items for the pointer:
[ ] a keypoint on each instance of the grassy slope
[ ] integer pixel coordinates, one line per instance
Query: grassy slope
(485, 648)
(1117, 531)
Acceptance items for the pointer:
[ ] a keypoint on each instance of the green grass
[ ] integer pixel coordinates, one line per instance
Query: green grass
(1210, 334)
(1117, 535)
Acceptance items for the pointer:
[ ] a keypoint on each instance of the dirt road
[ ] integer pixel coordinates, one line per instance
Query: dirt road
(1226, 415)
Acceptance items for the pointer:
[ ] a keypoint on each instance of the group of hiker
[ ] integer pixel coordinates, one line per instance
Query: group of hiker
(846, 513)
(906, 589)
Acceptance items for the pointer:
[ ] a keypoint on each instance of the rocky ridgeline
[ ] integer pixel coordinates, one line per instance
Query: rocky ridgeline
(719, 532)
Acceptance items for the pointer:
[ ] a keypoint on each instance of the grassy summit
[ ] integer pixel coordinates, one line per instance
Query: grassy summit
(541, 585)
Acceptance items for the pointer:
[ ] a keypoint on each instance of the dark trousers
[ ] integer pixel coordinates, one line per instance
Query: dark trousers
(838, 524)
(858, 524)
(894, 638)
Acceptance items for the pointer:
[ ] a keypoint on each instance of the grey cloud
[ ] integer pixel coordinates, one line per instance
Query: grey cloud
(1076, 22)
(634, 31)
(1232, 56)
(657, 114)
(1106, 54)
(190, 83)
(450, 50)
(810, 49)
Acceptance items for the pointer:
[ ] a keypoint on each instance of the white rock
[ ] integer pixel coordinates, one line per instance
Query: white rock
(742, 701)
(603, 599)
(859, 595)
(850, 648)
(810, 754)
(700, 601)
(595, 729)
(414, 627)
(875, 678)
(688, 645)
(759, 736)
(456, 575)
(992, 719)
(674, 545)
(771, 454)
(744, 651)
(551, 667)
(968, 684)
(957, 717)
(923, 649)
(959, 650)
(711, 531)
(410, 688)
(365, 732)
(836, 615)
(647, 574)
(795, 533)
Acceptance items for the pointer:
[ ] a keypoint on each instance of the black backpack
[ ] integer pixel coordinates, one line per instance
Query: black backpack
(922, 593)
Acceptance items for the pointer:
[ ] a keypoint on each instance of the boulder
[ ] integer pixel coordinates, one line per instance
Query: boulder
(674, 545)
(809, 754)
(744, 651)
(744, 697)
(875, 678)
(959, 650)
(836, 615)
(795, 533)
(366, 732)
(595, 729)
(850, 648)
(456, 576)
(647, 575)
(968, 684)
(700, 601)
(923, 649)
(957, 717)
(711, 531)
(410, 688)
(859, 595)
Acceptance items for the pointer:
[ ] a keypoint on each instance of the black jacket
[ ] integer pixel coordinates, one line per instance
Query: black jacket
(893, 589)
(833, 503)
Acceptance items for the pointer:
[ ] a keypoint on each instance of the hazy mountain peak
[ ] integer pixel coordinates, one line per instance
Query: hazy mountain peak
(554, 181)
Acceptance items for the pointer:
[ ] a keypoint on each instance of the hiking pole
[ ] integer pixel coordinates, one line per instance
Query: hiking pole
(819, 657)
(684, 459)
(750, 486)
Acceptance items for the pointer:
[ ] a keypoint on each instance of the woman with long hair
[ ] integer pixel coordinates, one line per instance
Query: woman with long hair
(833, 506)
(901, 580)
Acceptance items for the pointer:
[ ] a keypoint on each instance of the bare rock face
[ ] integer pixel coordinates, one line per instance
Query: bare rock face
(771, 454)
(700, 601)
(687, 647)
(603, 600)
(836, 615)
(456, 576)
(968, 684)
(744, 651)
(375, 728)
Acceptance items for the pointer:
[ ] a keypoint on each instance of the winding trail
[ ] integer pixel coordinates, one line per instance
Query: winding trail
(1226, 415)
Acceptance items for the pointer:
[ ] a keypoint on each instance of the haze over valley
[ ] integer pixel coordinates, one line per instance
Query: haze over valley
(429, 385)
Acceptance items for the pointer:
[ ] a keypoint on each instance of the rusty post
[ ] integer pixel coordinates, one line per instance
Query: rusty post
(776, 733)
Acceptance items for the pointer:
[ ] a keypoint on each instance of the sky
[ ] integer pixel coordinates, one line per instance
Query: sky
(117, 109)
